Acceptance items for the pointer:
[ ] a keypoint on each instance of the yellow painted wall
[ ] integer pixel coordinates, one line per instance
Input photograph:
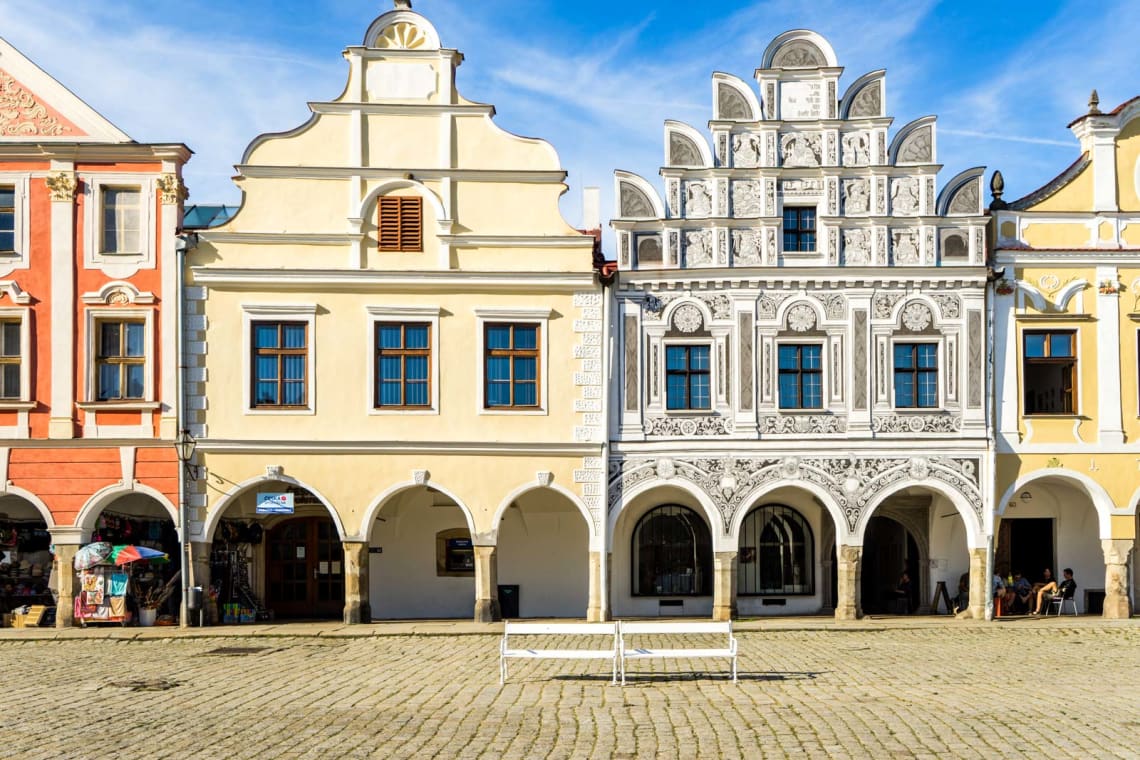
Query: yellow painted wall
(1075, 196)
(1056, 235)
(1127, 161)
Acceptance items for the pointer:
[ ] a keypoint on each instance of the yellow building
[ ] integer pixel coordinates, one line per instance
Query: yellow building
(400, 341)
(1066, 333)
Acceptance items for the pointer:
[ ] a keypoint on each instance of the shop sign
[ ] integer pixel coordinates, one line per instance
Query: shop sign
(275, 504)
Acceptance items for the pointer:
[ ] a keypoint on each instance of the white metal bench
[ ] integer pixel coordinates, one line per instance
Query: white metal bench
(674, 629)
(558, 629)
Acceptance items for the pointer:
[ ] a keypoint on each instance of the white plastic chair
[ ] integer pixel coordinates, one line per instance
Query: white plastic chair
(1060, 599)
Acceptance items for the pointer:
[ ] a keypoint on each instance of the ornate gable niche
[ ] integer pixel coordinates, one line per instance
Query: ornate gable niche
(683, 151)
(634, 203)
(732, 105)
(799, 54)
(868, 102)
(23, 114)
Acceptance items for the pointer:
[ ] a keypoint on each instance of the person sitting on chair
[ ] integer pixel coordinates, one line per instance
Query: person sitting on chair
(1046, 579)
(962, 601)
(1067, 587)
(902, 592)
(1018, 595)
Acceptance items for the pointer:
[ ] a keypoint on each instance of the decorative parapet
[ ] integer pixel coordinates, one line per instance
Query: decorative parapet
(916, 423)
(803, 424)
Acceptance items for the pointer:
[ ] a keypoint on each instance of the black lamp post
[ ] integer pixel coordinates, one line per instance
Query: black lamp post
(184, 446)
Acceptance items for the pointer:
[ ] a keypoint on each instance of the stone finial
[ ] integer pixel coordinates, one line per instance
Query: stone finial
(997, 188)
(403, 5)
(1094, 103)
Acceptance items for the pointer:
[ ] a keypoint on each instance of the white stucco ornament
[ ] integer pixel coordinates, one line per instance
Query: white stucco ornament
(801, 318)
(688, 318)
(420, 477)
(919, 468)
(790, 467)
(917, 317)
(544, 478)
(666, 469)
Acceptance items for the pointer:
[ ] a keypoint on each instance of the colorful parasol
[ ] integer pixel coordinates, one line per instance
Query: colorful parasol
(123, 555)
(91, 555)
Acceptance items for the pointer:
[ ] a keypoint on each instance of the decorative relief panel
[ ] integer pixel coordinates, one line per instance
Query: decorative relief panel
(884, 304)
(732, 104)
(856, 247)
(746, 150)
(720, 306)
(833, 246)
(683, 151)
(747, 198)
(698, 199)
(904, 246)
(832, 197)
(623, 258)
(635, 203)
(854, 484)
(915, 424)
(687, 427)
(803, 424)
(698, 248)
(859, 359)
(918, 147)
(904, 196)
(801, 149)
(747, 368)
(966, 200)
(857, 149)
(974, 362)
(834, 305)
(868, 102)
(770, 197)
(23, 115)
(769, 303)
(631, 384)
(746, 247)
(856, 197)
(801, 187)
(688, 319)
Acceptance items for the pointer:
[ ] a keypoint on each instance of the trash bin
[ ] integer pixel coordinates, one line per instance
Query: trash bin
(194, 604)
(509, 602)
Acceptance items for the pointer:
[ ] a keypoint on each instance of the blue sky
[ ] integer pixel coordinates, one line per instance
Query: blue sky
(595, 78)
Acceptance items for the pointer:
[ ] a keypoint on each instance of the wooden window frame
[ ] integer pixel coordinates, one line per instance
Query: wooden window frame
(121, 359)
(400, 224)
(104, 192)
(7, 360)
(403, 352)
(688, 373)
(915, 372)
(280, 353)
(1049, 360)
(800, 232)
(13, 212)
(512, 353)
(800, 372)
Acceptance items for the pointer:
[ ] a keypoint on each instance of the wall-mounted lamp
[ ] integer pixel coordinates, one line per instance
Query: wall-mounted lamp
(184, 446)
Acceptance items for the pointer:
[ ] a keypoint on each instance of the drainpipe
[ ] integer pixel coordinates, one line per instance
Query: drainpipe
(991, 444)
(184, 244)
(607, 388)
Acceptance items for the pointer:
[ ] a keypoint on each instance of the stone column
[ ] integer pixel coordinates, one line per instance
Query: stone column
(200, 576)
(1117, 604)
(724, 586)
(357, 608)
(978, 581)
(63, 578)
(848, 577)
(598, 608)
(486, 585)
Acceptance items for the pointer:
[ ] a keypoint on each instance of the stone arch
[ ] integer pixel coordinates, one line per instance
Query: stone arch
(689, 140)
(819, 493)
(380, 501)
(533, 486)
(806, 43)
(956, 194)
(914, 146)
(720, 541)
(862, 91)
(214, 516)
(36, 502)
(390, 28)
(975, 533)
(628, 182)
(394, 183)
(734, 99)
(1100, 499)
(1065, 294)
(103, 498)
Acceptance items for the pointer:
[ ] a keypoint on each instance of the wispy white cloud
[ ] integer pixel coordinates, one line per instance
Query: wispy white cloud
(1005, 137)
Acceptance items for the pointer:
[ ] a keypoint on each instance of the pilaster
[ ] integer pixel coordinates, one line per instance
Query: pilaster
(63, 572)
(598, 608)
(978, 581)
(848, 577)
(357, 608)
(1111, 427)
(62, 187)
(724, 586)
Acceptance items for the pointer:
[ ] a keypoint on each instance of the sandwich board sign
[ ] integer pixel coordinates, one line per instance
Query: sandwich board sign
(275, 504)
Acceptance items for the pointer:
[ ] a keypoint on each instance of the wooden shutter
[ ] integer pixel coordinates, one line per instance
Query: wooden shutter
(400, 224)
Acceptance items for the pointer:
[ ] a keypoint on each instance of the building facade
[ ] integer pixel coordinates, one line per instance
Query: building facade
(799, 409)
(396, 361)
(88, 271)
(1066, 336)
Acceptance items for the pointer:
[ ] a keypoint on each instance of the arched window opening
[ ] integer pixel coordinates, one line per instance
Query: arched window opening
(672, 553)
(776, 553)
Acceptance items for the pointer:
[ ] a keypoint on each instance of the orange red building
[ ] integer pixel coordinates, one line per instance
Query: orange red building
(88, 291)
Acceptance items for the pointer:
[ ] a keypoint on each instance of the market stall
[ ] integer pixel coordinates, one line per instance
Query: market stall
(121, 584)
(25, 566)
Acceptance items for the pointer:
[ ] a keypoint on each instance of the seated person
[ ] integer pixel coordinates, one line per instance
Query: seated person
(1046, 579)
(901, 592)
(962, 601)
(1067, 588)
(1017, 596)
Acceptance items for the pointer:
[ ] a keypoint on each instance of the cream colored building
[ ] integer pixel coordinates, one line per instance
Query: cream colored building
(1066, 334)
(400, 330)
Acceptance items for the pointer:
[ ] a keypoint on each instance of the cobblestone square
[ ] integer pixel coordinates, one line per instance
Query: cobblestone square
(1031, 688)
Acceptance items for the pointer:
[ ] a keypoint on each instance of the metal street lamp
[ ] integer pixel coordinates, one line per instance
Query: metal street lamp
(184, 446)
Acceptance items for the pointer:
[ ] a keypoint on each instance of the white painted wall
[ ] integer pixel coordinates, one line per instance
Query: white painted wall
(402, 579)
(543, 547)
(949, 553)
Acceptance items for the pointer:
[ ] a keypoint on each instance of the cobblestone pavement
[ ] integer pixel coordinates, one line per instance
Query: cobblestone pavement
(1033, 688)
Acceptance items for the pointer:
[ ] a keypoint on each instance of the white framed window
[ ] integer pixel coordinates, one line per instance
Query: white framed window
(403, 365)
(688, 376)
(512, 358)
(120, 358)
(15, 230)
(279, 359)
(15, 358)
(916, 374)
(120, 220)
(801, 375)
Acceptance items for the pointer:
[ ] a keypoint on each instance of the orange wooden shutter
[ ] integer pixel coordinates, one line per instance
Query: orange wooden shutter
(400, 224)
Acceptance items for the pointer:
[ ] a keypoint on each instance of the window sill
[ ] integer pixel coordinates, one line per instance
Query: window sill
(15, 405)
(396, 411)
(689, 412)
(1055, 416)
(118, 406)
(506, 411)
(281, 412)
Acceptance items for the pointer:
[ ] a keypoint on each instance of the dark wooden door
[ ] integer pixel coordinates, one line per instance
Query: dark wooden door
(305, 569)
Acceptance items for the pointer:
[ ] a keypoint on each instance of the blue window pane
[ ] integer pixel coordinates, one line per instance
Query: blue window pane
(1061, 344)
(675, 357)
(7, 240)
(699, 357)
(676, 393)
(416, 394)
(416, 336)
(526, 368)
(790, 217)
(109, 339)
(812, 392)
(135, 345)
(498, 368)
(7, 196)
(390, 393)
(267, 368)
(928, 389)
(807, 218)
(789, 357)
(1035, 346)
(265, 336)
(389, 368)
(294, 393)
(699, 392)
(927, 356)
(526, 337)
(498, 337)
(416, 368)
(266, 393)
(294, 367)
(294, 336)
(498, 394)
(108, 381)
(904, 357)
(525, 394)
(791, 242)
(812, 357)
(788, 392)
(390, 336)
(136, 381)
(904, 390)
